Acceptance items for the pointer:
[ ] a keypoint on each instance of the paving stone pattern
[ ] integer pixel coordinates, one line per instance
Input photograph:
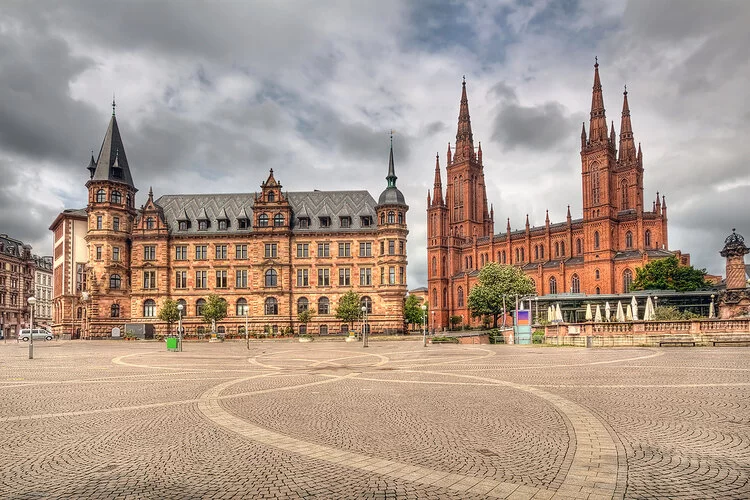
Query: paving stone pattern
(396, 420)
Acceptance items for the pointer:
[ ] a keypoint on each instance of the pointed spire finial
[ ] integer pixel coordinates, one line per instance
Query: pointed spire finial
(150, 193)
(568, 212)
(114, 105)
(391, 177)
(464, 137)
(596, 61)
(598, 120)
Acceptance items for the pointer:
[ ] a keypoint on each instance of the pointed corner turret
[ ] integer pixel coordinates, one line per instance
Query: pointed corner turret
(112, 164)
(450, 159)
(527, 222)
(627, 143)
(437, 186)
(598, 120)
(92, 165)
(507, 228)
(479, 153)
(568, 216)
(612, 134)
(546, 219)
(583, 135)
(464, 136)
(150, 194)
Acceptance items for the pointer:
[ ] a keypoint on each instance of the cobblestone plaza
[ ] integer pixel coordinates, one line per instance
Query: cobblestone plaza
(395, 420)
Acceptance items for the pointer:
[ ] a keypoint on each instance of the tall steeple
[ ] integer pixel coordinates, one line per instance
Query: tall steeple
(627, 143)
(437, 188)
(464, 137)
(391, 195)
(112, 164)
(598, 121)
(391, 177)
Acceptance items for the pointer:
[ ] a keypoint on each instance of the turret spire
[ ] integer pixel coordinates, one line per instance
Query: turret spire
(583, 135)
(464, 137)
(391, 177)
(112, 164)
(598, 121)
(627, 144)
(92, 165)
(438, 185)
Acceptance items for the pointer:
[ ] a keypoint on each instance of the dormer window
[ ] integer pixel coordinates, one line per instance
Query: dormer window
(271, 196)
(183, 225)
(278, 220)
(150, 223)
(117, 173)
(304, 222)
(365, 221)
(202, 225)
(263, 220)
(325, 222)
(345, 221)
(223, 225)
(242, 224)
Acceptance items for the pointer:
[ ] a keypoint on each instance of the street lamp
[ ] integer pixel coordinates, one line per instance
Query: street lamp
(180, 307)
(84, 320)
(31, 301)
(364, 326)
(424, 324)
(433, 322)
(247, 333)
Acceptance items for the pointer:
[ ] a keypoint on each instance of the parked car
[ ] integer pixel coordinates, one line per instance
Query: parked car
(39, 334)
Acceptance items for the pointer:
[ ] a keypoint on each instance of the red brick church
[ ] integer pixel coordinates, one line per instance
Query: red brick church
(595, 254)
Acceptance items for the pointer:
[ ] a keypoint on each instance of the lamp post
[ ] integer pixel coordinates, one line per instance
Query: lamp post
(433, 322)
(247, 333)
(84, 319)
(364, 326)
(31, 301)
(656, 303)
(424, 324)
(180, 307)
(536, 310)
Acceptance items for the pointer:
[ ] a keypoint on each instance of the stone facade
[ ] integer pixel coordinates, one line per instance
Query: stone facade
(735, 299)
(70, 258)
(43, 290)
(595, 254)
(269, 254)
(17, 267)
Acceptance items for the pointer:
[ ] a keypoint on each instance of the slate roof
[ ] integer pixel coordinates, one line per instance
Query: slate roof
(112, 154)
(312, 204)
(12, 247)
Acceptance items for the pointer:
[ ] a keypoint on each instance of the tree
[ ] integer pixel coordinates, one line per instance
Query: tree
(669, 274)
(455, 321)
(497, 288)
(169, 313)
(413, 314)
(306, 316)
(348, 308)
(215, 309)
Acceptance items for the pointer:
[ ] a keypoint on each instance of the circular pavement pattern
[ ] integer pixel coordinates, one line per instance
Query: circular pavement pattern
(396, 420)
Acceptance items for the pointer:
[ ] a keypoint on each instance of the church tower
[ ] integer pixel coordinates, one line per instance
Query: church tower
(111, 213)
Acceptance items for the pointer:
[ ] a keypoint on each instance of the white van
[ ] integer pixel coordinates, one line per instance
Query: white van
(39, 334)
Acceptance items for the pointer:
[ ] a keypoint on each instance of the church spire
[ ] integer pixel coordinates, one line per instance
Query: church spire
(464, 137)
(627, 144)
(112, 164)
(437, 188)
(391, 177)
(598, 121)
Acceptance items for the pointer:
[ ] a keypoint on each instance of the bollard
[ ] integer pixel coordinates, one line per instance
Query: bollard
(589, 341)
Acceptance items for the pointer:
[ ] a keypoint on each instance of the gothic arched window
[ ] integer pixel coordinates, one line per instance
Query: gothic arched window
(596, 239)
(536, 252)
(579, 250)
(627, 280)
(596, 274)
(575, 284)
(624, 195)
(445, 297)
(647, 239)
(434, 266)
(562, 248)
(595, 189)
(552, 285)
(557, 249)
(460, 297)
(628, 240)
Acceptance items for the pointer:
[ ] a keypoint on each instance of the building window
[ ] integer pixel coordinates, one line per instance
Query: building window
(302, 305)
(324, 278)
(541, 252)
(149, 308)
(552, 285)
(434, 297)
(345, 249)
(149, 279)
(595, 189)
(324, 250)
(199, 305)
(201, 279)
(401, 275)
(303, 277)
(271, 278)
(647, 239)
(240, 252)
(303, 250)
(278, 220)
(536, 252)
(575, 286)
(115, 197)
(99, 223)
(391, 247)
(271, 306)
(180, 279)
(345, 276)
(366, 302)
(240, 280)
(596, 274)
(263, 220)
(557, 249)
(221, 252)
(562, 248)
(324, 329)
(223, 225)
(391, 217)
(624, 194)
(183, 225)
(401, 248)
(345, 222)
(628, 240)
(325, 221)
(114, 311)
(271, 250)
(382, 218)
(365, 249)
(365, 221)
(115, 223)
(180, 252)
(201, 252)
(101, 196)
(304, 222)
(598, 291)
(596, 239)
(242, 224)
(149, 252)
(627, 280)
(434, 266)
(365, 276)
(202, 225)
(460, 297)
(150, 223)
(115, 281)
(271, 196)
(116, 253)
(323, 305)
(391, 275)
(579, 250)
(98, 253)
(242, 308)
(400, 217)
(80, 276)
(221, 279)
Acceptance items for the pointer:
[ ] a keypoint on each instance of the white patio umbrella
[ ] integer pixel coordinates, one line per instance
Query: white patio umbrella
(711, 310)
(558, 313)
(634, 305)
(629, 313)
(607, 311)
(589, 316)
(549, 314)
(620, 315)
(598, 317)
(648, 314)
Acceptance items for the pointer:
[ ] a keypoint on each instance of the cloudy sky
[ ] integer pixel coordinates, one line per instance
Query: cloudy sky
(210, 95)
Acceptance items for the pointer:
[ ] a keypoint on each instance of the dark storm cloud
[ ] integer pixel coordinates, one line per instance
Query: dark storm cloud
(540, 127)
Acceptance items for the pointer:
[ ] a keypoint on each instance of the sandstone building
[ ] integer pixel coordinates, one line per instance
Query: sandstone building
(270, 254)
(595, 254)
(43, 290)
(17, 267)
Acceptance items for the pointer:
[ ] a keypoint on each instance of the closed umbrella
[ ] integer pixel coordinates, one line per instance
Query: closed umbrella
(711, 311)
(620, 316)
(607, 311)
(589, 316)
(648, 314)
(558, 313)
(549, 314)
(629, 313)
(634, 305)
(598, 317)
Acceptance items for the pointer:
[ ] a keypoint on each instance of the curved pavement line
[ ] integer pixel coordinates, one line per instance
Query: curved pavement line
(209, 404)
(119, 361)
(254, 360)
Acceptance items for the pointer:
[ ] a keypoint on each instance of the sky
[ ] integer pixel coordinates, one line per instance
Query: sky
(210, 95)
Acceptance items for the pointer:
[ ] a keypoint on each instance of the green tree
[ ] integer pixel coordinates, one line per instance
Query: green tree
(348, 308)
(306, 316)
(169, 313)
(413, 310)
(496, 289)
(455, 321)
(215, 309)
(669, 274)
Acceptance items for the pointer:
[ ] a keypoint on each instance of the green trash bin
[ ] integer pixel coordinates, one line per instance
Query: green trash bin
(172, 343)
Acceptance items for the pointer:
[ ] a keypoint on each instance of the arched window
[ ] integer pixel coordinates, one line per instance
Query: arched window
(382, 218)
(271, 196)
(523, 257)
(242, 308)
(460, 297)
(575, 284)
(647, 238)
(183, 302)
(445, 297)
(114, 311)
(598, 291)
(115, 281)
(323, 305)
(128, 200)
(627, 280)
(271, 306)
(391, 217)
(434, 297)
(628, 240)
(79, 313)
(263, 220)
(595, 189)
(505, 260)
(366, 302)
(596, 274)
(278, 220)
(149, 223)
(302, 305)
(101, 196)
(596, 239)
(533, 283)
(562, 248)
(443, 266)
(517, 255)
(579, 250)
(199, 305)
(271, 277)
(557, 249)
(400, 217)
(323, 329)
(434, 266)
(149, 308)
(115, 197)
(552, 285)
(624, 195)
(536, 252)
